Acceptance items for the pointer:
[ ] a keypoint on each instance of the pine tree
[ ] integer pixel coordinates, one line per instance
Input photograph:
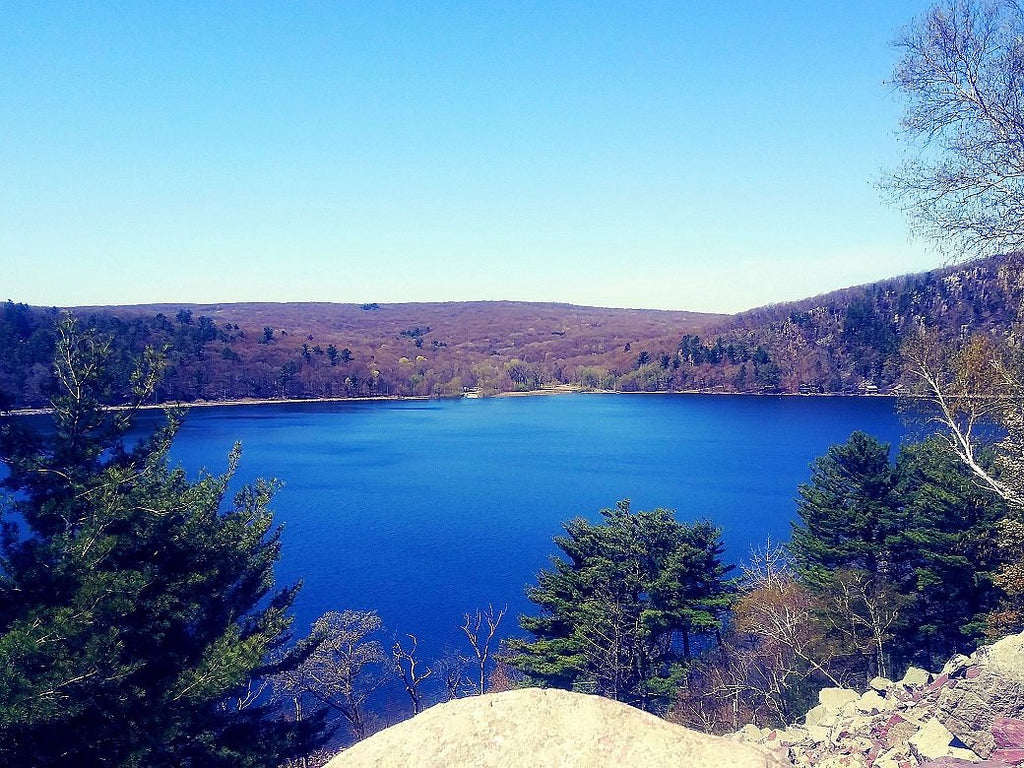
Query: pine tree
(847, 509)
(135, 605)
(947, 548)
(903, 557)
(620, 613)
(842, 549)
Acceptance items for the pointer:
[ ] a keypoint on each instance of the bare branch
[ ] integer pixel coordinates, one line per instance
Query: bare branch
(480, 629)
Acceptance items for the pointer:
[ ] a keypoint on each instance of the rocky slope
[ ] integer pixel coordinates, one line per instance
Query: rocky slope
(546, 727)
(969, 713)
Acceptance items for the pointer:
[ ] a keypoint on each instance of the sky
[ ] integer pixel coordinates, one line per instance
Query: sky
(707, 156)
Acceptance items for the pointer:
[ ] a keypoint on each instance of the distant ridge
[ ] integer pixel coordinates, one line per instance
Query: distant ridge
(846, 341)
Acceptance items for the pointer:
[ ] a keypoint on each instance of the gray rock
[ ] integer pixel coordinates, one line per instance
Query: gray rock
(916, 676)
(835, 699)
(955, 664)
(993, 687)
(792, 735)
(818, 733)
(1006, 657)
(931, 741)
(898, 734)
(750, 732)
(815, 714)
(872, 703)
(843, 761)
(880, 684)
(891, 758)
(958, 753)
(830, 720)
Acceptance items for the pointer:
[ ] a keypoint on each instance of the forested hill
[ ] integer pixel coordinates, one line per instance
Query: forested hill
(307, 350)
(846, 341)
(849, 341)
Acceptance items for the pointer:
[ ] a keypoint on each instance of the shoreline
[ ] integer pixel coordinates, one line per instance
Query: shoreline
(562, 389)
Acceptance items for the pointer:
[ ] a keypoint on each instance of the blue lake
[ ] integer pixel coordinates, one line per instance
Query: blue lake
(427, 510)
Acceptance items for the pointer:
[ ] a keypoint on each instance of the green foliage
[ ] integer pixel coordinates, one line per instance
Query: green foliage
(901, 555)
(620, 613)
(846, 511)
(947, 550)
(26, 347)
(868, 335)
(1009, 616)
(135, 604)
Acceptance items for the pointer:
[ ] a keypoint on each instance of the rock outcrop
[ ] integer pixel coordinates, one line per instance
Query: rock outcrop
(969, 713)
(546, 727)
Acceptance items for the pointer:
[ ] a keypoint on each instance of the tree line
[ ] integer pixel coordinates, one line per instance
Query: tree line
(846, 342)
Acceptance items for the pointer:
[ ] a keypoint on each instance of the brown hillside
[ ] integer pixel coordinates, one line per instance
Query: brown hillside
(847, 341)
(429, 349)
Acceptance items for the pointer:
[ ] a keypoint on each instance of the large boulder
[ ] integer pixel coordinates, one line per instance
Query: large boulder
(545, 727)
(992, 688)
(834, 699)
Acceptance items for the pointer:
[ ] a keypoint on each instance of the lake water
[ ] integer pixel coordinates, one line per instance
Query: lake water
(427, 510)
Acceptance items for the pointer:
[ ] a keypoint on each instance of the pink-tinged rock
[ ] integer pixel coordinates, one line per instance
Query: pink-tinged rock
(972, 672)
(938, 682)
(1009, 756)
(1008, 732)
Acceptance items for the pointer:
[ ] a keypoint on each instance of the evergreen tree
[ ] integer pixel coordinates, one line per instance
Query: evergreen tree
(847, 511)
(620, 613)
(135, 605)
(842, 548)
(947, 546)
(902, 557)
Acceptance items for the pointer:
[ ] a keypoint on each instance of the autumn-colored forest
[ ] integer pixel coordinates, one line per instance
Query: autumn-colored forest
(843, 342)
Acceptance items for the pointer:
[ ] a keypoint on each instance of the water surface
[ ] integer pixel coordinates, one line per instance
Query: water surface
(424, 510)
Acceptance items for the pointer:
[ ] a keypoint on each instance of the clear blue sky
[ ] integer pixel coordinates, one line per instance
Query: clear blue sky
(680, 155)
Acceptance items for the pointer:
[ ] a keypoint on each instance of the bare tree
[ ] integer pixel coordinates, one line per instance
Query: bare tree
(344, 669)
(716, 697)
(406, 664)
(968, 391)
(504, 676)
(451, 669)
(962, 73)
(480, 629)
(863, 611)
(777, 654)
(964, 391)
(782, 615)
